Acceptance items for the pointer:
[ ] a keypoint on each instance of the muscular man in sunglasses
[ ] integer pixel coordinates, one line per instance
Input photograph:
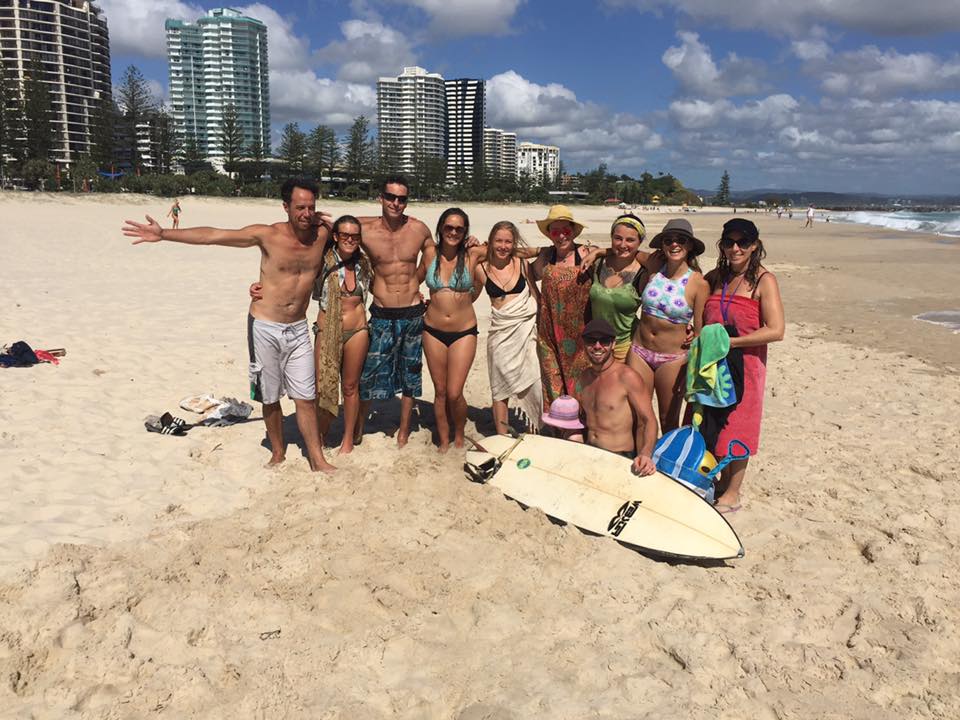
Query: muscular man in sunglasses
(615, 402)
(394, 242)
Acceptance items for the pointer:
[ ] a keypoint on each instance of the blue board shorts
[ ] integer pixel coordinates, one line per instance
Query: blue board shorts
(394, 361)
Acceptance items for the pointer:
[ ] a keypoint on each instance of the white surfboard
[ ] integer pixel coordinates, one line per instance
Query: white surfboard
(595, 490)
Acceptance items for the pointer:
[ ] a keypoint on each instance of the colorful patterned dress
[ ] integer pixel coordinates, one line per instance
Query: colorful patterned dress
(564, 297)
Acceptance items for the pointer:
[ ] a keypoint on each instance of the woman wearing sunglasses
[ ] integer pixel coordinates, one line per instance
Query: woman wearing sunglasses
(565, 294)
(744, 296)
(450, 324)
(672, 302)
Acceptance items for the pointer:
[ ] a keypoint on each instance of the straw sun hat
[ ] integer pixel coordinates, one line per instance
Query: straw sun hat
(559, 212)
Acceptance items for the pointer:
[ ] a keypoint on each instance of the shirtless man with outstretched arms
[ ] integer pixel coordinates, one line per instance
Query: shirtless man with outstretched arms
(394, 243)
(619, 413)
(281, 357)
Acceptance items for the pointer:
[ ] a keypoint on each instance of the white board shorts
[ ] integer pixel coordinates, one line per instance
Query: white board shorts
(281, 361)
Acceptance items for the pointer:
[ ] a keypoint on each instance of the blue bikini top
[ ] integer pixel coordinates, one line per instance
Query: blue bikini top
(459, 281)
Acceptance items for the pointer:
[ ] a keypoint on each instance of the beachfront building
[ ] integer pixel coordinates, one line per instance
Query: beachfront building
(540, 162)
(70, 42)
(217, 61)
(466, 118)
(412, 115)
(500, 152)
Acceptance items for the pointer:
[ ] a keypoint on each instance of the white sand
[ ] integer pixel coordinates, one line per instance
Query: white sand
(140, 570)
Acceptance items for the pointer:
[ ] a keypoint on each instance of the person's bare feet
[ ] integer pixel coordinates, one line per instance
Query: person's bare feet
(322, 466)
(443, 447)
(345, 448)
(458, 442)
(728, 503)
(276, 459)
(402, 439)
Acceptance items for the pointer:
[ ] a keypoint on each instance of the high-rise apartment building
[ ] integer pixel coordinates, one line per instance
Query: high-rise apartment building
(540, 162)
(412, 115)
(500, 152)
(69, 40)
(466, 119)
(219, 60)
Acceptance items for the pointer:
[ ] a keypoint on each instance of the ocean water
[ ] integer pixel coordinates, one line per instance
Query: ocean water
(938, 223)
(947, 318)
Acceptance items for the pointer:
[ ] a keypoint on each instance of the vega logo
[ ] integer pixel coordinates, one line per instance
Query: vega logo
(620, 520)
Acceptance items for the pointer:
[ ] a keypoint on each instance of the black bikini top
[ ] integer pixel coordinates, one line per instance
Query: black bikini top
(495, 291)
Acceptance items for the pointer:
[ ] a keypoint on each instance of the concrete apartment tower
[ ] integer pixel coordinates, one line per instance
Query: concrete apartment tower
(500, 152)
(219, 60)
(541, 162)
(466, 119)
(412, 114)
(69, 39)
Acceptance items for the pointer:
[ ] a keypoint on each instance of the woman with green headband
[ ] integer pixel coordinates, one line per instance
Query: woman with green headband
(618, 279)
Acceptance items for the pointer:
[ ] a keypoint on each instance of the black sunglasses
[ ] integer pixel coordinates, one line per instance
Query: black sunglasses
(390, 197)
(743, 243)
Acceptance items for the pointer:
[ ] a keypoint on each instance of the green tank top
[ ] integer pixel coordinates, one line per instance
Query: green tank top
(618, 305)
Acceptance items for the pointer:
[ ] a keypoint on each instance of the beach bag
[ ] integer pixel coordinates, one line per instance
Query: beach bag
(682, 454)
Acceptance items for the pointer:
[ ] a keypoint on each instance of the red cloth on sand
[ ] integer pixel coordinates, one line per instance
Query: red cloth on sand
(744, 422)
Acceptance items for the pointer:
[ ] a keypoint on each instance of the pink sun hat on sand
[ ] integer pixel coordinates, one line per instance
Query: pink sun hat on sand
(564, 413)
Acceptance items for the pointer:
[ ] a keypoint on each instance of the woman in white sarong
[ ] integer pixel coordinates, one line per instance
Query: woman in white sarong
(512, 340)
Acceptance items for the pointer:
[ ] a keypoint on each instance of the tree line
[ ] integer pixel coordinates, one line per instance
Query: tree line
(350, 165)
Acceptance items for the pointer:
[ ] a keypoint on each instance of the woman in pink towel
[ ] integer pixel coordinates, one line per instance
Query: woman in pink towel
(743, 294)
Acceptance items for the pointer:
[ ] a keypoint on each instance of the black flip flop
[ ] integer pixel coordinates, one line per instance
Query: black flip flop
(166, 424)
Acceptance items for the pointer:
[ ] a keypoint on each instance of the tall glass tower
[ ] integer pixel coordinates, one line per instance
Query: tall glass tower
(69, 40)
(219, 60)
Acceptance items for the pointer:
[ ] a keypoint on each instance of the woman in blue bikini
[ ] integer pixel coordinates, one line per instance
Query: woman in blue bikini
(672, 301)
(450, 324)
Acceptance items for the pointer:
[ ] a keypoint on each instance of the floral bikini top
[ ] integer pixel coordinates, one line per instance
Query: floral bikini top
(667, 299)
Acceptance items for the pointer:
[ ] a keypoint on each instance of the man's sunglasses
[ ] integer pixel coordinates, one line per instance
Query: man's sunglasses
(742, 243)
(390, 197)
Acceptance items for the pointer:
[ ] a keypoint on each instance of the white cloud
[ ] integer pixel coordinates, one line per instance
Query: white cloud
(301, 96)
(811, 49)
(693, 66)
(771, 112)
(368, 50)
(468, 17)
(137, 28)
(288, 51)
(585, 132)
(870, 72)
(797, 17)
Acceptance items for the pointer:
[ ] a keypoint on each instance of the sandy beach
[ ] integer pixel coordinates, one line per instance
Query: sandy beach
(145, 575)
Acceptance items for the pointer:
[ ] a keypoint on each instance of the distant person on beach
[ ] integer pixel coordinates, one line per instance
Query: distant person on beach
(744, 295)
(450, 323)
(512, 364)
(811, 213)
(281, 358)
(779, 212)
(394, 364)
(616, 403)
(670, 316)
(341, 336)
(174, 213)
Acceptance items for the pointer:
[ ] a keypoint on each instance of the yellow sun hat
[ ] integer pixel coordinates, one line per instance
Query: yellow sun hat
(559, 212)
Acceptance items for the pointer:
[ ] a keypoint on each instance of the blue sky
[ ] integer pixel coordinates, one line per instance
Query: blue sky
(860, 95)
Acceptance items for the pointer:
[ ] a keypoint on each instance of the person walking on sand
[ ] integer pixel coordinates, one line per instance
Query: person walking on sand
(811, 213)
(174, 213)
(281, 358)
(394, 364)
(615, 401)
